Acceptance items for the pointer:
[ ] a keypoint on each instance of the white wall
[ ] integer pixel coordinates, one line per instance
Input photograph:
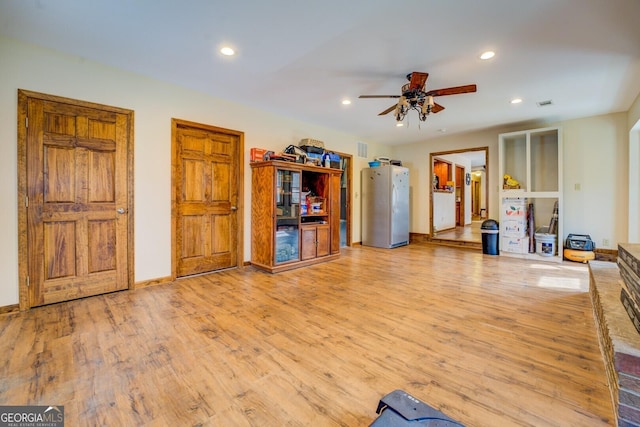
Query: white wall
(595, 156)
(32, 68)
(417, 156)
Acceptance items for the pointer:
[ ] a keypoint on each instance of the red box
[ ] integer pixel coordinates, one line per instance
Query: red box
(257, 154)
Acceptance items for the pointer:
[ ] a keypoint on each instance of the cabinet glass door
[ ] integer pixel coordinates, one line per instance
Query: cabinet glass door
(287, 216)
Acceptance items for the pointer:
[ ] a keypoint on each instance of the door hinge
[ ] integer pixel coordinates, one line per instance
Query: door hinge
(26, 201)
(26, 121)
(28, 283)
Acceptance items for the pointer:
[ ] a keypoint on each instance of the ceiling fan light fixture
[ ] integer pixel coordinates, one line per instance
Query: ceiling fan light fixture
(346, 102)
(487, 55)
(516, 100)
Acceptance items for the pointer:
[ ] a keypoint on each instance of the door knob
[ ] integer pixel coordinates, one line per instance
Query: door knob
(121, 210)
(233, 208)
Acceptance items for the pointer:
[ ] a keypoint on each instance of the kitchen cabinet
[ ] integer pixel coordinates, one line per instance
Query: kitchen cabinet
(295, 215)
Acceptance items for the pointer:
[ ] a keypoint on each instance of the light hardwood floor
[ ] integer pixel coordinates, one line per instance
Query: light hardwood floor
(489, 341)
(468, 233)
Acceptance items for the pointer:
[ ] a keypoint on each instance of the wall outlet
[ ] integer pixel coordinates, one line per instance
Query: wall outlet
(605, 243)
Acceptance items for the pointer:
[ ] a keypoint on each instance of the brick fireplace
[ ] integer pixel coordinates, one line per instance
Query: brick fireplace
(619, 342)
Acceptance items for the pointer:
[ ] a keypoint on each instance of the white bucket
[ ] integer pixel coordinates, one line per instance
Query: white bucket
(545, 242)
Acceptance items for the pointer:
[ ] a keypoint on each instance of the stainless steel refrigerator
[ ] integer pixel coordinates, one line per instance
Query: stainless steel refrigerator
(385, 206)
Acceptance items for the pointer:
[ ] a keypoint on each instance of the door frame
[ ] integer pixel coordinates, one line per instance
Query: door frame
(430, 185)
(175, 123)
(348, 171)
(23, 241)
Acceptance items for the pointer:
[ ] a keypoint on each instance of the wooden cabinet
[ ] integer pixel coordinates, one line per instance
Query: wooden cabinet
(295, 215)
(315, 241)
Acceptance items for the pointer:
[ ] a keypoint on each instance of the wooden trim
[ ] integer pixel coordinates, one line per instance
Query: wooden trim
(239, 169)
(433, 156)
(349, 172)
(23, 272)
(7, 309)
(153, 282)
(295, 264)
(610, 255)
(419, 237)
(23, 100)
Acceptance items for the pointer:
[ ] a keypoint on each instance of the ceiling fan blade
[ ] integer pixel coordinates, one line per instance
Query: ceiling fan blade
(436, 107)
(379, 96)
(418, 80)
(452, 90)
(388, 110)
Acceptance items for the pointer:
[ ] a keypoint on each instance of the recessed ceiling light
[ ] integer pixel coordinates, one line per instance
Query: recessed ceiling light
(516, 100)
(227, 51)
(399, 124)
(488, 54)
(346, 101)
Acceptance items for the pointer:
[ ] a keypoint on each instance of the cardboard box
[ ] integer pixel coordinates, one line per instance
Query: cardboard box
(515, 245)
(514, 227)
(514, 208)
(257, 154)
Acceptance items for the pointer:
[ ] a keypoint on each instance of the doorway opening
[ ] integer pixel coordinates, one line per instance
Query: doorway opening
(346, 162)
(459, 204)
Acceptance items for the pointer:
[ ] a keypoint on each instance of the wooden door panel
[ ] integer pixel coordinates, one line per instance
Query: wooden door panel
(59, 249)
(194, 236)
(77, 177)
(220, 182)
(308, 248)
(193, 185)
(220, 229)
(101, 179)
(101, 239)
(59, 174)
(324, 240)
(206, 198)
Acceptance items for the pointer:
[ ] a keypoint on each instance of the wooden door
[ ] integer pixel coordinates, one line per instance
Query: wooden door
(76, 180)
(323, 240)
(460, 185)
(308, 242)
(207, 172)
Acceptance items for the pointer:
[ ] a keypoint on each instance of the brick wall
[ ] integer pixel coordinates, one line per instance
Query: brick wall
(619, 342)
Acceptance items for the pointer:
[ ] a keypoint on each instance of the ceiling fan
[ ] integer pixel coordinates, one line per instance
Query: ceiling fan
(414, 97)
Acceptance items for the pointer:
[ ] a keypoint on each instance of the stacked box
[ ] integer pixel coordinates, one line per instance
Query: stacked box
(514, 217)
(629, 266)
(515, 245)
(257, 154)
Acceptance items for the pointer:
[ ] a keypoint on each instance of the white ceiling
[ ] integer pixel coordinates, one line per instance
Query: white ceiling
(301, 58)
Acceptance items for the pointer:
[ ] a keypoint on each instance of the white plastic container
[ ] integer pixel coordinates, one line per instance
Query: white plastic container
(545, 242)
